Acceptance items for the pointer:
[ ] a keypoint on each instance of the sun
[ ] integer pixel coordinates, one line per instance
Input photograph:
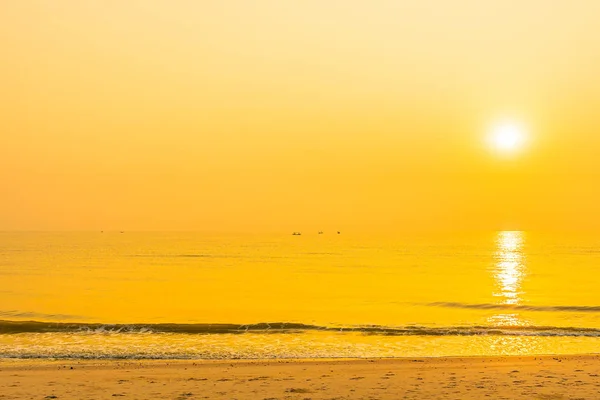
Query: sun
(507, 137)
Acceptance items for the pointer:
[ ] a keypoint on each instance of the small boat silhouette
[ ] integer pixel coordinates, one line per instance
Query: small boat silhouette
(296, 234)
(320, 232)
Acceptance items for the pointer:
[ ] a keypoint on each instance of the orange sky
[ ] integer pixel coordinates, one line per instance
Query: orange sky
(297, 115)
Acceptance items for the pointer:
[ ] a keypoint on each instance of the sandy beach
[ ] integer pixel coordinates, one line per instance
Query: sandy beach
(548, 377)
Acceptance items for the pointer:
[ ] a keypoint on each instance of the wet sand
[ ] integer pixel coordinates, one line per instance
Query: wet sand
(548, 377)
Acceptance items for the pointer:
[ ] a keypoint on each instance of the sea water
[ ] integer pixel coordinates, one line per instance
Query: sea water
(215, 296)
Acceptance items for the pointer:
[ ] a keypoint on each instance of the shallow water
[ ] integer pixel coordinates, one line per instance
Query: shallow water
(190, 295)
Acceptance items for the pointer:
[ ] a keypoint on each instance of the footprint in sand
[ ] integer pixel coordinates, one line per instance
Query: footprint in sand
(298, 390)
(260, 378)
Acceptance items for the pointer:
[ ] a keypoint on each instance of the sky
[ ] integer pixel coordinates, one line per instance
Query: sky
(279, 116)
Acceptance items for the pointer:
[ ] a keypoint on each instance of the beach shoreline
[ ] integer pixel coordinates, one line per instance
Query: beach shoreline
(509, 377)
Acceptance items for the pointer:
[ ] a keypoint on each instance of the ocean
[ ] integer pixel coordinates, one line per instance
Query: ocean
(142, 295)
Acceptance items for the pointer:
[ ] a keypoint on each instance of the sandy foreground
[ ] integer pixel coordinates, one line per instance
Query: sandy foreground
(550, 378)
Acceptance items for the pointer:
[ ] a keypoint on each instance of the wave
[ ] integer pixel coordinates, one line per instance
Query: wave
(16, 327)
(517, 307)
(7, 327)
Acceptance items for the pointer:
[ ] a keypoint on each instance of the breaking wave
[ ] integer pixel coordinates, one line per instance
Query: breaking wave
(15, 327)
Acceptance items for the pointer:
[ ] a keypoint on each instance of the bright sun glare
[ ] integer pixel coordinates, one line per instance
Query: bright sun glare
(507, 138)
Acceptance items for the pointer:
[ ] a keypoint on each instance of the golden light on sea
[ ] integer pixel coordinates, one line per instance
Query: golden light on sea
(508, 273)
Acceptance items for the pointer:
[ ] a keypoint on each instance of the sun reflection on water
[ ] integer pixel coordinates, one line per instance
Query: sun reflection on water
(509, 272)
(510, 268)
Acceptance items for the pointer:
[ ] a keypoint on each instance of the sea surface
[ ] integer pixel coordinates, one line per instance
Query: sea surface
(206, 296)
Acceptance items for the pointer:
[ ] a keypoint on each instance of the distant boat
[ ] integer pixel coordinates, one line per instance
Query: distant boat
(339, 232)
(296, 234)
(320, 232)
